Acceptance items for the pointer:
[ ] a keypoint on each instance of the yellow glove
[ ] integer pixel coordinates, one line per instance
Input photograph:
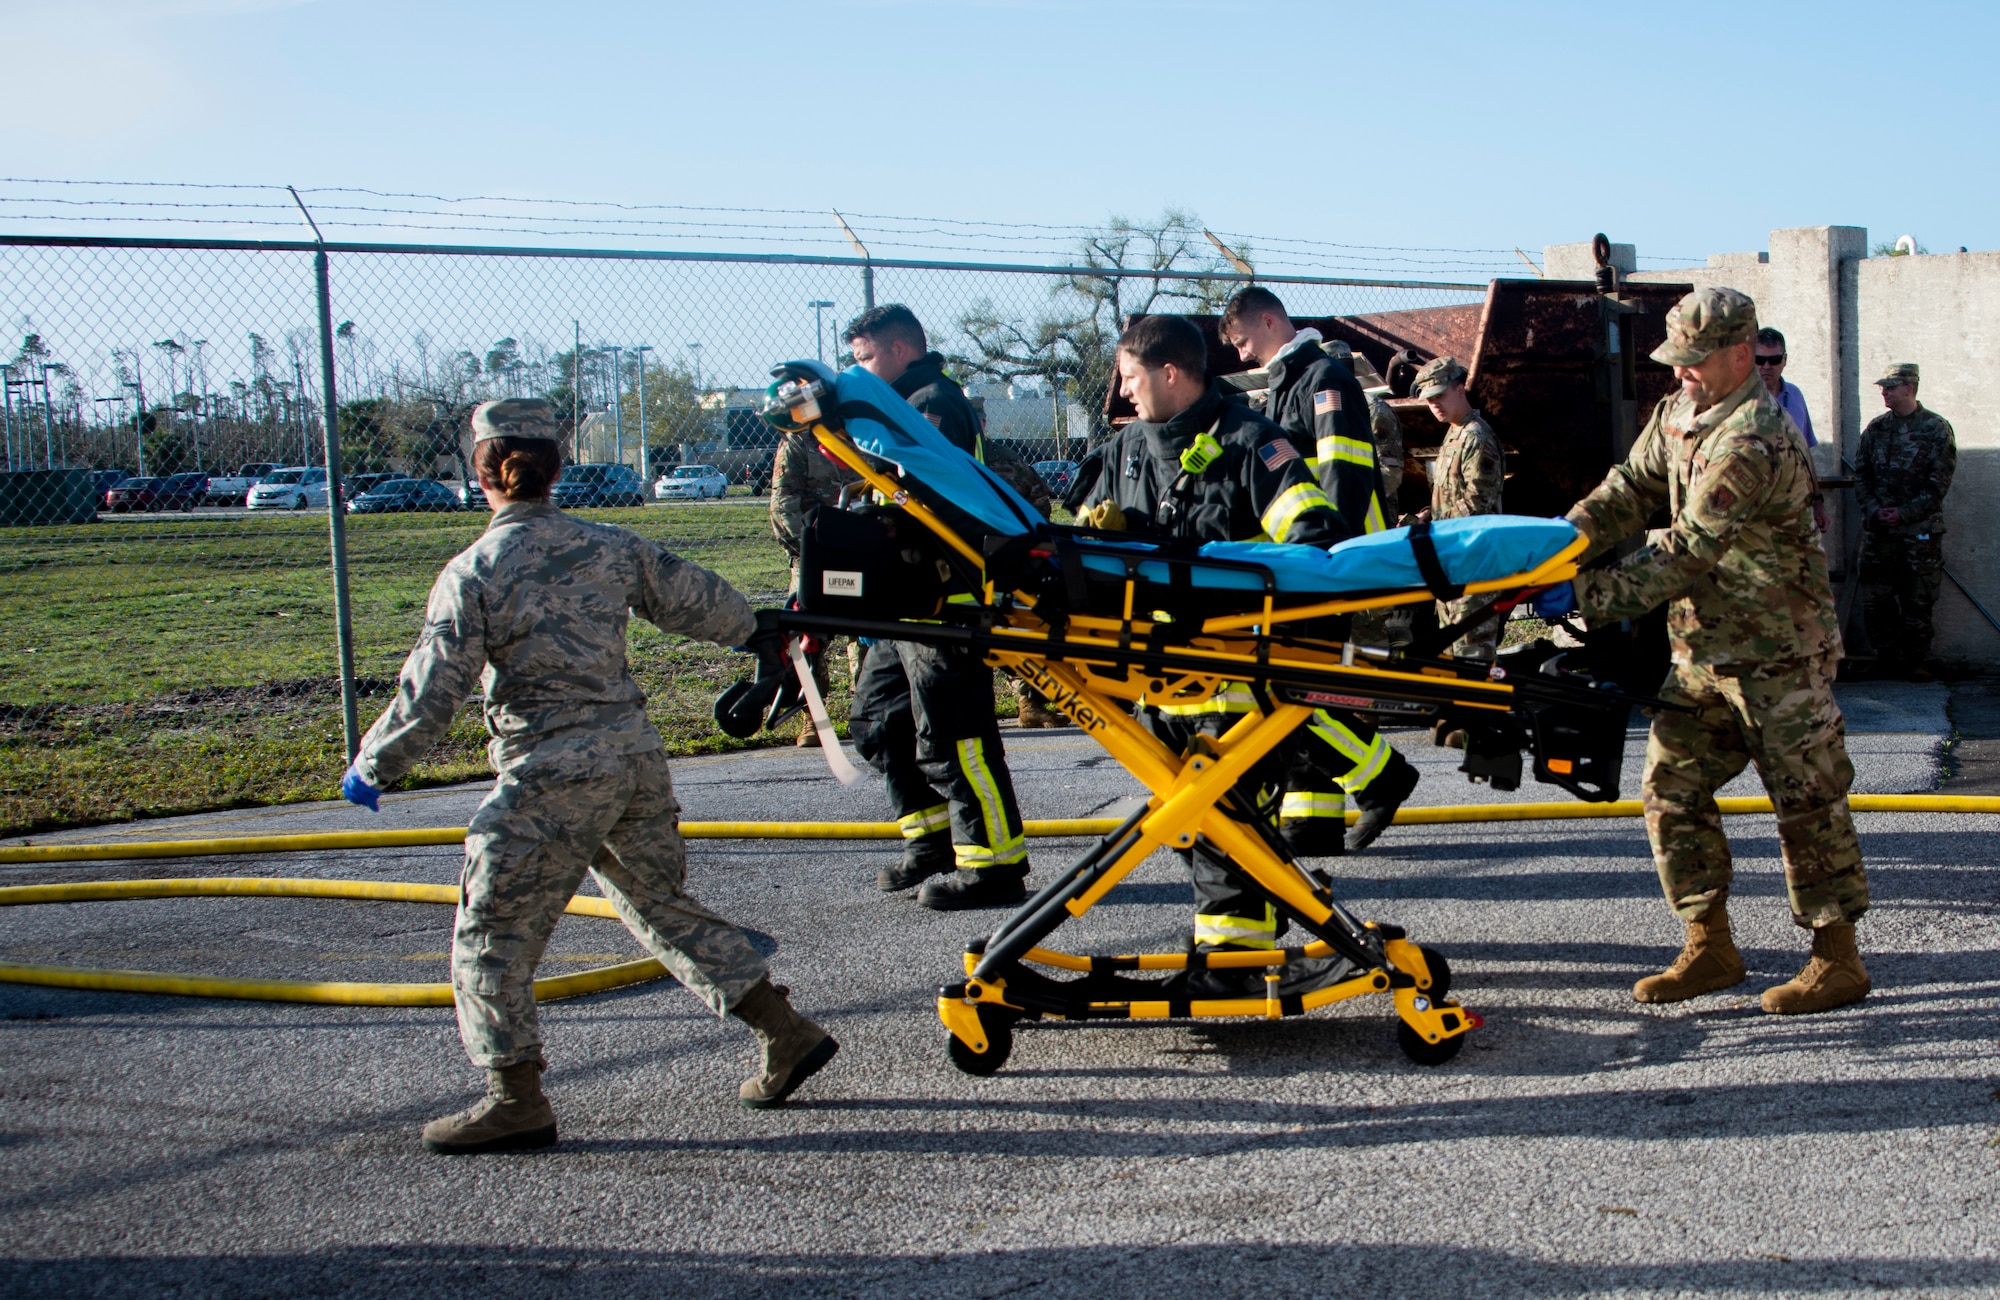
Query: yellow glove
(1105, 515)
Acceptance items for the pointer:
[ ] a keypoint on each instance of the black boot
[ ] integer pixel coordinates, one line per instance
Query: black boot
(1304, 975)
(923, 857)
(967, 888)
(1379, 802)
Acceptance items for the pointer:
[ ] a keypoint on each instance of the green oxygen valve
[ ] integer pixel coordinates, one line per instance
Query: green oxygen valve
(1201, 453)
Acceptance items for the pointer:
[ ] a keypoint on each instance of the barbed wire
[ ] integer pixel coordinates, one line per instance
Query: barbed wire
(803, 228)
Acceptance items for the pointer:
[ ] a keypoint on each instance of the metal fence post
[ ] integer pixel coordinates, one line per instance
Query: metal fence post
(336, 509)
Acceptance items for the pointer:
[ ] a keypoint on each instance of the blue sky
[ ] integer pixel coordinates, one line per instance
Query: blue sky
(1686, 129)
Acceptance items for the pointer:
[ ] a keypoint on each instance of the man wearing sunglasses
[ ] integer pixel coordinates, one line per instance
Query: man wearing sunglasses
(1770, 358)
(1902, 471)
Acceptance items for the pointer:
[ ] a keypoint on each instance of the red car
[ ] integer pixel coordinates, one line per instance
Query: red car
(174, 492)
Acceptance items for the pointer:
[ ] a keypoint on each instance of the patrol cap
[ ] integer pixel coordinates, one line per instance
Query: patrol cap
(1898, 372)
(1704, 321)
(1438, 374)
(514, 417)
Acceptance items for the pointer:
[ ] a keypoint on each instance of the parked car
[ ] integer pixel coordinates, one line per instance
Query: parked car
(1058, 474)
(132, 494)
(234, 489)
(583, 486)
(404, 494)
(354, 486)
(297, 488)
(108, 479)
(692, 481)
(155, 494)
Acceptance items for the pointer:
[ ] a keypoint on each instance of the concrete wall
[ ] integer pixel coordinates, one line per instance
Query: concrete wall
(1845, 316)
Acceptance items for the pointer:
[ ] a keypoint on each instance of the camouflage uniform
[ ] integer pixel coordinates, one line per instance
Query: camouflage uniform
(802, 477)
(1466, 480)
(541, 602)
(1905, 461)
(1750, 618)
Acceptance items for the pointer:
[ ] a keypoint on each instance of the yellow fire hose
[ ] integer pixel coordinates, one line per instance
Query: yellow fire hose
(332, 992)
(340, 993)
(1073, 828)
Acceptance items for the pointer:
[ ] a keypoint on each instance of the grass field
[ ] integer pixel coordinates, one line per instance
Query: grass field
(160, 665)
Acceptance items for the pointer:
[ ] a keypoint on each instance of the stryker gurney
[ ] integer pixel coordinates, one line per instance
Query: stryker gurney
(1099, 623)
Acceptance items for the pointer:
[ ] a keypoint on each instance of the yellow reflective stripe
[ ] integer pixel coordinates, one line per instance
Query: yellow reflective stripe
(1001, 848)
(1351, 450)
(1368, 757)
(1299, 805)
(1374, 523)
(1291, 503)
(1238, 931)
(927, 821)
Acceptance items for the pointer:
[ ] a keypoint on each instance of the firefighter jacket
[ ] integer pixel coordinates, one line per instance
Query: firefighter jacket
(1321, 407)
(1258, 489)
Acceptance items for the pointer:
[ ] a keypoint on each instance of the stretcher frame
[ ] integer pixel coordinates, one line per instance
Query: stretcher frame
(1083, 665)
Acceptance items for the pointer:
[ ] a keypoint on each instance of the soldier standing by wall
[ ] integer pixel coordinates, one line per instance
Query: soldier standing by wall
(1901, 474)
(1318, 404)
(540, 603)
(923, 715)
(1466, 479)
(1750, 617)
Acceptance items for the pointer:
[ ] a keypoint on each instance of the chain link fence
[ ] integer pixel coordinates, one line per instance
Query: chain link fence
(168, 607)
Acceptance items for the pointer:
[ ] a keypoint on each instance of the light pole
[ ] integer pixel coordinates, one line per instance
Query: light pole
(7, 375)
(201, 410)
(695, 348)
(819, 335)
(617, 407)
(645, 451)
(49, 420)
(138, 422)
(102, 400)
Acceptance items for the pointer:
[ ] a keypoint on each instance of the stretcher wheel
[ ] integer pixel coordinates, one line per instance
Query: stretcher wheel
(1440, 988)
(1418, 1050)
(999, 1029)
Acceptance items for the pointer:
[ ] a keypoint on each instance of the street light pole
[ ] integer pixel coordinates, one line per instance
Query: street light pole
(696, 349)
(48, 418)
(201, 410)
(617, 407)
(645, 451)
(7, 377)
(138, 423)
(819, 334)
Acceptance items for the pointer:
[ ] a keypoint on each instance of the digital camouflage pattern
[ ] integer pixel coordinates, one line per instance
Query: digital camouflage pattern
(1466, 480)
(1435, 377)
(1782, 717)
(803, 477)
(1906, 461)
(1739, 564)
(1900, 579)
(1900, 372)
(1387, 431)
(541, 602)
(548, 821)
(1703, 321)
(514, 417)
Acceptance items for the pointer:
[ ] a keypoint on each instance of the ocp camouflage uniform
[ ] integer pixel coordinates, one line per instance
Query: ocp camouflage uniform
(1466, 480)
(1905, 461)
(802, 477)
(1750, 618)
(541, 602)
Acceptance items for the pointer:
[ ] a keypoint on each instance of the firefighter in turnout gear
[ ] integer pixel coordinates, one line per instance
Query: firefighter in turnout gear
(1199, 466)
(923, 715)
(1316, 401)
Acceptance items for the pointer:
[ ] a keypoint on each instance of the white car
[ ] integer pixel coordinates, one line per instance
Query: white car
(692, 482)
(289, 489)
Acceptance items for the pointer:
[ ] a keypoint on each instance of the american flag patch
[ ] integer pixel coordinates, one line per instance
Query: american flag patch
(937, 421)
(1276, 452)
(1326, 401)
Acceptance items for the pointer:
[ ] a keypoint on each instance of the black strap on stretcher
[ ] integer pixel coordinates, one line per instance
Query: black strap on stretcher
(1428, 565)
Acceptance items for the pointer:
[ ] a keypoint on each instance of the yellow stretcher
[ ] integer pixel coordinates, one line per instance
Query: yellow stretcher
(1099, 625)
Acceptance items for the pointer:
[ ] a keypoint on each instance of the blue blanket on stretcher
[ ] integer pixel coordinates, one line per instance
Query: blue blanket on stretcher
(1481, 549)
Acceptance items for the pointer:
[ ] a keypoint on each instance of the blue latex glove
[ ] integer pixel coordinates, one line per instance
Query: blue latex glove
(1555, 602)
(357, 791)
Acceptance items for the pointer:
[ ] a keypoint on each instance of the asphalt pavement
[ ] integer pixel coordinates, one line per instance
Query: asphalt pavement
(1582, 1144)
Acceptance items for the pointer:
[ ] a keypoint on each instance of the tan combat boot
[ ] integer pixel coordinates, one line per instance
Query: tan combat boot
(1833, 977)
(795, 1048)
(1708, 962)
(1034, 713)
(512, 1116)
